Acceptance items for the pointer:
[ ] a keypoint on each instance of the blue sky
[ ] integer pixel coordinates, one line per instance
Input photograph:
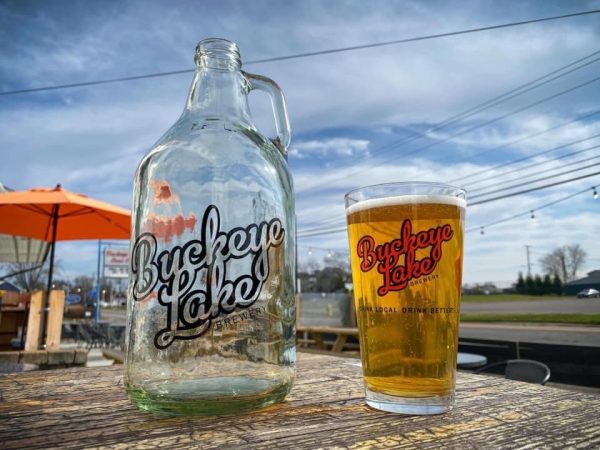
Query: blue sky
(343, 107)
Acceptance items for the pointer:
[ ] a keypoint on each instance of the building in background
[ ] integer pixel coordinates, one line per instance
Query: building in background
(592, 281)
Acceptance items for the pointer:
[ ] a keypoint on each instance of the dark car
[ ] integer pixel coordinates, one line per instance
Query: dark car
(589, 293)
(75, 309)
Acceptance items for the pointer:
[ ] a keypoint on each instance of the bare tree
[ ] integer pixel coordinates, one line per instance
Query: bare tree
(310, 266)
(576, 258)
(338, 260)
(28, 276)
(564, 262)
(330, 279)
(83, 284)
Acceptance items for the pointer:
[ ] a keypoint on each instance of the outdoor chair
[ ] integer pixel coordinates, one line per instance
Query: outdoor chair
(520, 370)
(91, 336)
(77, 333)
(68, 332)
(101, 332)
(116, 336)
(84, 337)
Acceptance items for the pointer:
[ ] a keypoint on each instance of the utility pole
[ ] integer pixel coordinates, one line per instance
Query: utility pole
(528, 262)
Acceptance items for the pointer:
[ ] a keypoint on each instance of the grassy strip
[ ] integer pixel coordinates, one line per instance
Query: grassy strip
(480, 298)
(585, 319)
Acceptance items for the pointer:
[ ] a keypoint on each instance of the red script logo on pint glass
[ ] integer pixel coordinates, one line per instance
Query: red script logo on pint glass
(387, 255)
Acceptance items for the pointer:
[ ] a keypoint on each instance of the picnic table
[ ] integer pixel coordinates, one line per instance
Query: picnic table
(334, 340)
(83, 408)
(317, 337)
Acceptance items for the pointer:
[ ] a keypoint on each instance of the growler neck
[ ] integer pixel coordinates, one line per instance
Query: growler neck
(218, 93)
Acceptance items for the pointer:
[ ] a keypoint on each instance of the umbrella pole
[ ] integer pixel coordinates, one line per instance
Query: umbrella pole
(50, 273)
(97, 316)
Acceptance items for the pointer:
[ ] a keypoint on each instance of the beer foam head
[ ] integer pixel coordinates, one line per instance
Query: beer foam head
(405, 200)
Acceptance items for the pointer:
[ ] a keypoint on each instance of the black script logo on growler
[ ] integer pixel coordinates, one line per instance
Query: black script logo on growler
(395, 274)
(194, 282)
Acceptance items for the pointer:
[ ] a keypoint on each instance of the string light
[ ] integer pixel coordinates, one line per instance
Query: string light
(594, 193)
(532, 216)
(482, 231)
(309, 251)
(524, 213)
(329, 254)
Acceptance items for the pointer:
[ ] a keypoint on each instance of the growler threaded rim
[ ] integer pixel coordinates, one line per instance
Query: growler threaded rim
(218, 53)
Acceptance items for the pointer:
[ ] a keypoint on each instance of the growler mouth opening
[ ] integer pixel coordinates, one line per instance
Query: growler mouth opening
(217, 53)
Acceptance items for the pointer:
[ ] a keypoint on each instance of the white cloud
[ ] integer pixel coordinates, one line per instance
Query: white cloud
(522, 128)
(330, 147)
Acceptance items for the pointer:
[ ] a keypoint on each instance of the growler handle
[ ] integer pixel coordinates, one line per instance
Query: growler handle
(282, 122)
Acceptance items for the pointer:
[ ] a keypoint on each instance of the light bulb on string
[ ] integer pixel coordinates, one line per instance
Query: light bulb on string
(482, 231)
(594, 193)
(532, 216)
(309, 251)
(329, 254)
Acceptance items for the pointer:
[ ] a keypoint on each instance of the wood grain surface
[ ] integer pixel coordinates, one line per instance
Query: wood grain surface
(88, 408)
(34, 323)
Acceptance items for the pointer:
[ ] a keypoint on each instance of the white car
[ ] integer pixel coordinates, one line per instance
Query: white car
(588, 293)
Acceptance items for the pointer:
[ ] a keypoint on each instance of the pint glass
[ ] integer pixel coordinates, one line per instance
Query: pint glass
(406, 247)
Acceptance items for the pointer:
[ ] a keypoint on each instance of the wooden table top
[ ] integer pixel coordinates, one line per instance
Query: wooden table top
(86, 407)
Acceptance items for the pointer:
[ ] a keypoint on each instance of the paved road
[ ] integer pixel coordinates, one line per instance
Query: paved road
(538, 333)
(542, 333)
(577, 306)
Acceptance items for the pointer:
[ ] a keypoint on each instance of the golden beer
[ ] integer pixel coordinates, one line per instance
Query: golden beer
(406, 254)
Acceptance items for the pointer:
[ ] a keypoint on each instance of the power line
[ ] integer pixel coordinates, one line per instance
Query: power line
(306, 54)
(512, 93)
(460, 133)
(327, 222)
(316, 231)
(525, 183)
(330, 251)
(322, 227)
(514, 194)
(321, 233)
(500, 183)
(521, 139)
(519, 90)
(478, 108)
(504, 116)
(423, 38)
(524, 158)
(515, 92)
(499, 166)
(528, 212)
(537, 164)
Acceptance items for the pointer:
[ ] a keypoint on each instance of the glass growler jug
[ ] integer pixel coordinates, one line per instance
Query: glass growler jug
(211, 308)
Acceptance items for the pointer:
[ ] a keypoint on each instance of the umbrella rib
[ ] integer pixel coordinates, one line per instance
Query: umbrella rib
(108, 219)
(33, 208)
(88, 210)
(79, 212)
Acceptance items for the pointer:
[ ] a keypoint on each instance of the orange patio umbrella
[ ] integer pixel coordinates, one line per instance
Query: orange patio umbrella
(60, 215)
